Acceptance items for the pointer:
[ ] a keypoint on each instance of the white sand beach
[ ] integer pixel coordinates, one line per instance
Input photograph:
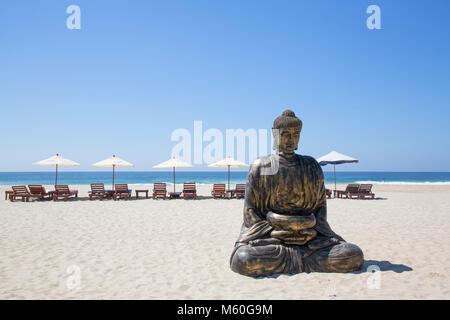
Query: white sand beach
(177, 249)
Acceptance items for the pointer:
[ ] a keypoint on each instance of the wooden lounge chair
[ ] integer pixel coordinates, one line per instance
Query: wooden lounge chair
(19, 192)
(240, 191)
(159, 190)
(365, 190)
(63, 191)
(350, 189)
(122, 191)
(353, 191)
(39, 191)
(189, 190)
(98, 190)
(328, 192)
(218, 190)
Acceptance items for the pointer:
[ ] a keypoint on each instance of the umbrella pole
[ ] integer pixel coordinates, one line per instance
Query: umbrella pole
(173, 179)
(56, 177)
(113, 177)
(228, 177)
(334, 180)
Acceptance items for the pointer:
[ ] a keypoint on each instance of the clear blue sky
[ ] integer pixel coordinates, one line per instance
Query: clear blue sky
(137, 70)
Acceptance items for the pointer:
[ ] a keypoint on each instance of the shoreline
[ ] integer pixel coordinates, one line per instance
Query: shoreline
(209, 177)
(328, 185)
(206, 187)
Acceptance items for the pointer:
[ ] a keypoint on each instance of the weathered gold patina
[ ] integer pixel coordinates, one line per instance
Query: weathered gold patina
(285, 228)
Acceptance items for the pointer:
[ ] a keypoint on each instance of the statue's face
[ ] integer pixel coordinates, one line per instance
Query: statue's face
(289, 138)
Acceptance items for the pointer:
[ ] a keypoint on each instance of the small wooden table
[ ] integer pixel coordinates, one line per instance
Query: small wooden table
(8, 193)
(174, 195)
(230, 193)
(109, 193)
(141, 191)
(338, 193)
(50, 194)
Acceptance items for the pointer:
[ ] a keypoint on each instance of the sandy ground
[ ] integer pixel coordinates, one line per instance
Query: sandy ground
(177, 249)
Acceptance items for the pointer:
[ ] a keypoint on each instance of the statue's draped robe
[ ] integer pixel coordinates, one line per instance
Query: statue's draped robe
(289, 186)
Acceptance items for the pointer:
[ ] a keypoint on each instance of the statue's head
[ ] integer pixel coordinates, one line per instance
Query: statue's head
(286, 132)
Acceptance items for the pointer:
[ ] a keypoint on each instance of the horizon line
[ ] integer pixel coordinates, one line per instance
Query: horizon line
(212, 170)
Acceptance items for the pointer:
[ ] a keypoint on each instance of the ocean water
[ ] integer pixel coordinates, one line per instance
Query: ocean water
(209, 177)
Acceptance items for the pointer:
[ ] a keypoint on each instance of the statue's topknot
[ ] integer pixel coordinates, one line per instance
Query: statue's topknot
(287, 119)
(288, 113)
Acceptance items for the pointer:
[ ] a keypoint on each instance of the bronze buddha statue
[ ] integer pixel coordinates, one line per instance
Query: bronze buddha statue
(285, 228)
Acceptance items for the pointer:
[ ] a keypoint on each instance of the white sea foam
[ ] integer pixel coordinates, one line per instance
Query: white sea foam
(428, 183)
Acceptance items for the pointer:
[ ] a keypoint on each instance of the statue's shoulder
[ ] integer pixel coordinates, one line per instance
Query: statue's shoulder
(309, 161)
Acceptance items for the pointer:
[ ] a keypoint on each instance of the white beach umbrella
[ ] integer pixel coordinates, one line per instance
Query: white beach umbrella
(228, 163)
(56, 161)
(113, 162)
(173, 163)
(335, 158)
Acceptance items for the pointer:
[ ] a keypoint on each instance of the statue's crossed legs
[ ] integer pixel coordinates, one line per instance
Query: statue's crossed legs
(268, 256)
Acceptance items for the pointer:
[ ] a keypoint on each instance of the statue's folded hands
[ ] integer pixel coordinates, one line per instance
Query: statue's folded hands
(294, 237)
(264, 242)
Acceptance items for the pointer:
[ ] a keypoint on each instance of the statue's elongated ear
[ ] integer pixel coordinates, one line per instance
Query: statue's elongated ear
(276, 138)
(296, 148)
